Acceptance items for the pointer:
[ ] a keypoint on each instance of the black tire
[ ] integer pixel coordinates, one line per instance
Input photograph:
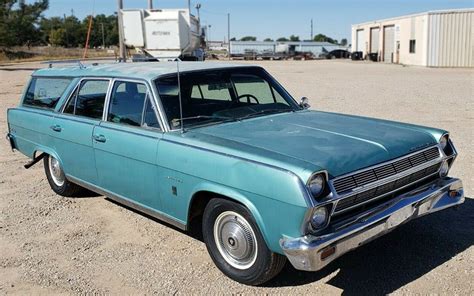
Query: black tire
(266, 264)
(67, 188)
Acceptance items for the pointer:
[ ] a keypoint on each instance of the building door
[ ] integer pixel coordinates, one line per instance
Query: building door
(389, 43)
(360, 40)
(374, 40)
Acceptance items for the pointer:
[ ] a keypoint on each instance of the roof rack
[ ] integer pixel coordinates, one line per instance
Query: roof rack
(80, 62)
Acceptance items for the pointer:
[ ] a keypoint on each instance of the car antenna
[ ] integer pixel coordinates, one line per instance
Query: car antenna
(179, 97)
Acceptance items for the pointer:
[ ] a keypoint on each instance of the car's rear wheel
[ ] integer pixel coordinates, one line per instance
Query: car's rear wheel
(57, 179)
(236, 245)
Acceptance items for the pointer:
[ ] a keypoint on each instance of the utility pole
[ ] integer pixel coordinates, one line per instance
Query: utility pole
(150, 4)
(120, 31)
(311, 29)
(228, 35)
(209, 37)
(65, 30)
(198, 6)
(103, 35)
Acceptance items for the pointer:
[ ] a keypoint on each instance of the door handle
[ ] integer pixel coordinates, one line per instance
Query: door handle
(56, 128)
(100, 138)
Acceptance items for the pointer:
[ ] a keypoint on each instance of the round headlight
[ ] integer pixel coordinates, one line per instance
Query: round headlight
(319, 218)
(443, 142)
(443, 171)
(316, 185)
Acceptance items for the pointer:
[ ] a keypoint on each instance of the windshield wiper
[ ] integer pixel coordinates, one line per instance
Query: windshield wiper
(266, 111)
(176, 122)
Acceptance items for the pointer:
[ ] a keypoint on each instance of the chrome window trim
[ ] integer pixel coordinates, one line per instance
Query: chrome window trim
(150, 96)
(76, 87)
(28, 84)
(160, 105)
(164, 123)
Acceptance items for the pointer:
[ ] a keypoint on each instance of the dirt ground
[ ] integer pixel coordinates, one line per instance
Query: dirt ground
(50, 244)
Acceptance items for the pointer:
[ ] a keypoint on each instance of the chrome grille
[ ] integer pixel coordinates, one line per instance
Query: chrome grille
(347, 184)
(386, 188)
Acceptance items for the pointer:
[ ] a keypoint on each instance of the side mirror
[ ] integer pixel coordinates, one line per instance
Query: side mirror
(304, 103)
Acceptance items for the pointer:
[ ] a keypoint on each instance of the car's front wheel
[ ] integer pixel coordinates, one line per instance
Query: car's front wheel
(236, 245)
(57, 179)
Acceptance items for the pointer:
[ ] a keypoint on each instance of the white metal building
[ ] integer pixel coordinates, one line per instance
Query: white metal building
(442, 38)
(260, 47)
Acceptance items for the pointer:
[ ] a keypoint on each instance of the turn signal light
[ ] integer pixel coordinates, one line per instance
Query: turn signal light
(328, 251)
(453, 193)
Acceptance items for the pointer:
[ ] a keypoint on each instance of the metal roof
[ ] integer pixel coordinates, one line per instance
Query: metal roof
(271, 43)
(142, 70)
(461, 10)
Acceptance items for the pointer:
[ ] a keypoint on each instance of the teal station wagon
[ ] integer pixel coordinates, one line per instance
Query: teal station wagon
(224, 148)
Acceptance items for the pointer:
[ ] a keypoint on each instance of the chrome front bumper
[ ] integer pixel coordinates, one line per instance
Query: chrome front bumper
(305, 253)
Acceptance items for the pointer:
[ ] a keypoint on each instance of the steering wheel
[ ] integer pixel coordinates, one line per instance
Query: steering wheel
(248, 96)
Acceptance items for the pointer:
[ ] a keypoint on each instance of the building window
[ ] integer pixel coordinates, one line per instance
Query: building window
(412, 45)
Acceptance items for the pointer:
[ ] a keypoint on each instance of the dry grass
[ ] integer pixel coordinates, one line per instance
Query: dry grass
(42, 53)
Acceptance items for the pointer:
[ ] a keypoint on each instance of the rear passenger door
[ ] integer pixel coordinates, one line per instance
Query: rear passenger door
(73, 127)
(126, 143)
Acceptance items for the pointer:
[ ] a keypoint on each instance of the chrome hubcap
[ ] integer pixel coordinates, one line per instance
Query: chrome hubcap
(56, 172)
(235, 240)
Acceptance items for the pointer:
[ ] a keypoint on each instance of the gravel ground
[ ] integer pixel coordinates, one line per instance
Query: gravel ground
(50, 244)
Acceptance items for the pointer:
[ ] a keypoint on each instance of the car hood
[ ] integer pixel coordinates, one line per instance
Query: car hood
(335, 142)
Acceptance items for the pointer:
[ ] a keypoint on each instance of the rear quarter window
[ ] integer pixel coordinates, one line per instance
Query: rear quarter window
(45, 92)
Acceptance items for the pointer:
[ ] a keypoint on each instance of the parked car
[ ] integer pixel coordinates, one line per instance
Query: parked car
(338, 54)
(226, 149)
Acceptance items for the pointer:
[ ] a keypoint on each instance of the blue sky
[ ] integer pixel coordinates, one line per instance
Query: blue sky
(275, 18)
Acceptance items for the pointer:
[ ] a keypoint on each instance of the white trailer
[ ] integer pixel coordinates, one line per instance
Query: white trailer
(163, 33)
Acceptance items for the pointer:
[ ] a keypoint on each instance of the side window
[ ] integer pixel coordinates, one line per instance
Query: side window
(45, 92)
(150, 119)
(89, 99)
(127, 105)
(253, 88)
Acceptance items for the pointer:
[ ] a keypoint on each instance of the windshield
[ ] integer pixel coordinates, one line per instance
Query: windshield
(216, 96)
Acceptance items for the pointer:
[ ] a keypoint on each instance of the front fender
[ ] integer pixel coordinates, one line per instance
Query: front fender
(274, 218)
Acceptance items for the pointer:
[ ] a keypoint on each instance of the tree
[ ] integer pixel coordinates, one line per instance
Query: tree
(57, 37)
(282, 39)
(323, 38)
(20, 26)
(233, 39)
(294, 38)
(268, 39)
(248, 38)
(343, 41)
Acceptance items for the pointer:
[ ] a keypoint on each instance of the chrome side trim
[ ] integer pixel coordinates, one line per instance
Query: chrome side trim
(128, 203)
(78, 84)
(150, 96)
